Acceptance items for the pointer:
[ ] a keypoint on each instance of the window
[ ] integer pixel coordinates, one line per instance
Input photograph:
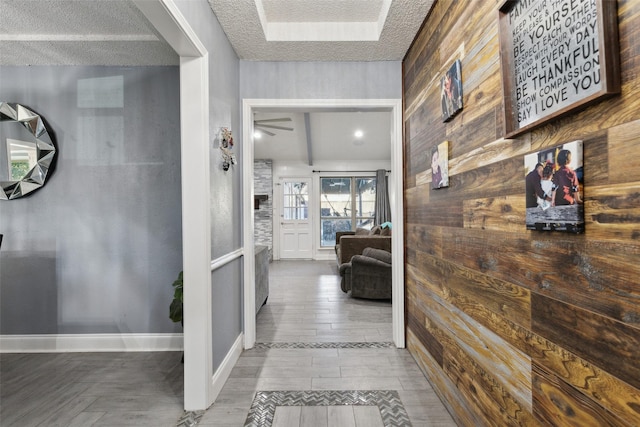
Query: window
(296, 200)
(346, 203)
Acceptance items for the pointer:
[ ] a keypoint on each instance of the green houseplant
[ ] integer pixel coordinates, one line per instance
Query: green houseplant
(175, 309)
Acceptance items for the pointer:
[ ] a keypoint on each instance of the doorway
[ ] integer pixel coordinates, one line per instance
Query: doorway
(394, 107)
(295, 219)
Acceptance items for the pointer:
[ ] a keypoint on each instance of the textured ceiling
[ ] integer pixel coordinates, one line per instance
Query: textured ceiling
(79, 32)
(322, 10)
(241, 21)
(114, 32)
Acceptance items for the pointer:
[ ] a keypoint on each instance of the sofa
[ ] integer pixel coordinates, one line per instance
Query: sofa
(350, 243)
(368, 275)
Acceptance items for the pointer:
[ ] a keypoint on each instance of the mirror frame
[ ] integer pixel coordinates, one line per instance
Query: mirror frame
(46, 150)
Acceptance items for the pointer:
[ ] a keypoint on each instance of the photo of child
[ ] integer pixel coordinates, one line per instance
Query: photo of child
(548, 187)
(553, 186)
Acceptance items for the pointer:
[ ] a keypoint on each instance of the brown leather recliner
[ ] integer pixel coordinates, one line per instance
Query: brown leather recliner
(368, 275)
(350, 243)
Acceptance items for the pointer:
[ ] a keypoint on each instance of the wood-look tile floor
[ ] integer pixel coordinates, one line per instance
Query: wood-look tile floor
(305, 305)
(91, 389)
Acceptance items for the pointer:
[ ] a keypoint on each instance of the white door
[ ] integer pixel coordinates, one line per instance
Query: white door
(295, 222)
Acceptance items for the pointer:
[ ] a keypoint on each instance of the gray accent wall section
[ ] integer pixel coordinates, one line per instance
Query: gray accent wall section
(224, 315)
(263, 216)
(321, 80)
(224, 111)
(97, 248)
(226, 187)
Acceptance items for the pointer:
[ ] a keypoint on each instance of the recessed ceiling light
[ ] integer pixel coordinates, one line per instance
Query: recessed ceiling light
(257, 134)
(359, 133)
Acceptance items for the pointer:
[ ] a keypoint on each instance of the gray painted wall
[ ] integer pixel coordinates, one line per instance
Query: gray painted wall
(226, 187)
(96, 249)
(321, 80)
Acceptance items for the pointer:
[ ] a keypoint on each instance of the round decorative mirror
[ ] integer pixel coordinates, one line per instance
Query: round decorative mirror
(27, 151)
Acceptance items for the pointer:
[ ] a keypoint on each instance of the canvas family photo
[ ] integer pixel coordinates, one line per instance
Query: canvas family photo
(451, 92)
(440, 165)
(553, 179)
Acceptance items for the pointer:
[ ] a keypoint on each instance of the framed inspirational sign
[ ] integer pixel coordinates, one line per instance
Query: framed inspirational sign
(556, 56)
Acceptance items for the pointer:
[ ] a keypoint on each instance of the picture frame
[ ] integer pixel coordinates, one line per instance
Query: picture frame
(556, 59)
(440, 165)
(554, 180)
(451, 91)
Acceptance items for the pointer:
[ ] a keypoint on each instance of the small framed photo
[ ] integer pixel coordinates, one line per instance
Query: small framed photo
(451, 92)
(553, 186)
(440, 165)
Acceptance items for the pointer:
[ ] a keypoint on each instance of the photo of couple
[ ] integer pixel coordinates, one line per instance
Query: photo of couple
(553, 185)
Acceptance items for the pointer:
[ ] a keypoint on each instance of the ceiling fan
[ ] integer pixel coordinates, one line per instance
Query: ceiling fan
(265, 124)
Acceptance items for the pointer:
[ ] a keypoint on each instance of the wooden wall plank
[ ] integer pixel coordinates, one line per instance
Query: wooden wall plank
(488, 395)
(495, 213)
(493, 152)
(472, 288)
(480, 99)
(430, 343)
(423, 238)
(558, 404)
(447, 214)
(596, 160)
(474, 134)
(420, 155)
(613, 212)
(423, 178)
(609, 344)
(579, 277)
(481, 54)
(624, 144)
(610, 392)
(460, 410)
(507, 365)
(490, 180)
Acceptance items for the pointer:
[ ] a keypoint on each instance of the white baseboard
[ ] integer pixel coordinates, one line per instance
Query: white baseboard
(224, 370)
(89, 343)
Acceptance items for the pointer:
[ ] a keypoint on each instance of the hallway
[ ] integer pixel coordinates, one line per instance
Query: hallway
(317, 344)
(321, 359)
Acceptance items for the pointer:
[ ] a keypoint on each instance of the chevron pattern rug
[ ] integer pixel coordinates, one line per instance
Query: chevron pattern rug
(264, 404)
(190, 419)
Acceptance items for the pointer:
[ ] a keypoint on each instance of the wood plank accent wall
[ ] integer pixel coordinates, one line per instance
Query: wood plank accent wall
(517, 327)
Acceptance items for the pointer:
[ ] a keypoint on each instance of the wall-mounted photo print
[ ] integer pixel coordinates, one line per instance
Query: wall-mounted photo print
(451, 92)
(440, 165)
(553, 180)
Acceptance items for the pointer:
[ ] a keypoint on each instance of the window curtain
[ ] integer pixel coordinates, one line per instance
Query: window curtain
(383, 208)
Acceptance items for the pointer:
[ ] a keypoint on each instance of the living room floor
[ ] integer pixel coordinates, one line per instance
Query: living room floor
(324, 359)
